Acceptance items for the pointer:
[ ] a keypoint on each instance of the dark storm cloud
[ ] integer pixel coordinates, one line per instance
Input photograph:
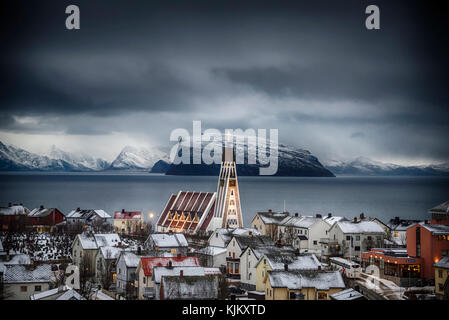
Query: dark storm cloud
(181, 57)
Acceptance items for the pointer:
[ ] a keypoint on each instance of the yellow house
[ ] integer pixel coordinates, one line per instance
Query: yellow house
(277, 261)
(302, 285)
(442, 278)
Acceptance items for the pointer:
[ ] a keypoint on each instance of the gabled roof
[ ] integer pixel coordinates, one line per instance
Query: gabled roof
(348, 294)
(110, 252)
(170, 240)
(436, 228)
(443, 263)
(98, 240)
(60, 293)
(137, 215)
(441, 208)
(24, 274)
(189, 287)
(159, 272)
(88, 214)
(148, 263)
(332, 219)
(131, 259)
(253, 241)
(212, 251)
(300, 221)
(359, 227)
(14, 210)
(227, 233)
(296, 280)
(277, 260)
(272, 217)
(42, 212)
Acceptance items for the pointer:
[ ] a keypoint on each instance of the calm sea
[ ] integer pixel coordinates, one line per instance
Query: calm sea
(382, 197)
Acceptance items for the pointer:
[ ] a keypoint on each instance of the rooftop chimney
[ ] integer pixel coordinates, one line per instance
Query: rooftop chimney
(170, 264)
(296, 214)
(362, 216)
(329, 214)
(355, 219)
(285, 267)
(269, 210)
(42, 206)
(9, 204)
(318, 215)
(181, 273)
(78, 209)
(123, 210)
(139, 251)
(178, 256)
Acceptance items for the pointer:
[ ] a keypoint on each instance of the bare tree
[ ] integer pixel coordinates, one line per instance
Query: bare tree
(85, 277)
(223, 288)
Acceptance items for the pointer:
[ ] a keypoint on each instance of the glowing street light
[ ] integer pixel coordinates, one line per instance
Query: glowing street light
(151, 215)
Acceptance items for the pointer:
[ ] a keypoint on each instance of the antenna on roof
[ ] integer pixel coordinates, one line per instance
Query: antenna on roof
(284, 206)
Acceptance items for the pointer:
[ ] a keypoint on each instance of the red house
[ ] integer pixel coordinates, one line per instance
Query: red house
(429, 242)
(45, 218)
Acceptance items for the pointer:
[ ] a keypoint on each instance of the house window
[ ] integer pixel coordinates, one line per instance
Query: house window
(216, 235)
(236, 268)
(348, 238)
(264, 261)
(37, 288)
(440, 273)
(322, 295)
(233, 255)
(315, 242)
(300, 231)
(144, 280)
(357, 238)
(23, 288)
(418, 242)
(357, 248)
(263, 274)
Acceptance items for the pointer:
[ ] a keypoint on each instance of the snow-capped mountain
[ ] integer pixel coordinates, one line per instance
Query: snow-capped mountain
(362, 166)
(132, 158)
(16, 159)
(292, 161)
(79, 160)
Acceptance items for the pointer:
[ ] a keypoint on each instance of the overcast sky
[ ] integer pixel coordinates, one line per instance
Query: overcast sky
(139, 69)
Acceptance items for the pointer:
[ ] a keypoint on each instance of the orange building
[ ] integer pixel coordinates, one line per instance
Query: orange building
(430, 242)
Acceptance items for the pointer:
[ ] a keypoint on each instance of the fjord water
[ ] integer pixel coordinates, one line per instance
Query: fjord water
(382, 197)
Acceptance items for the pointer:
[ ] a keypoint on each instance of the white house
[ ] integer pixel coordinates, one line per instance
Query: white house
(105, 262)
(126, 272)
(237, 245)
(304, 232)
(354, 237)
(175, 243)
(179, 271)
(60, 293)
(212, 256)
(22, 281)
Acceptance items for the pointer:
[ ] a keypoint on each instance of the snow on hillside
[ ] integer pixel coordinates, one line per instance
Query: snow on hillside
(80, 160)
(132, 158)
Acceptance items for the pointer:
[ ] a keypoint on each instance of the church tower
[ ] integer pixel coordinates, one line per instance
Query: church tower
(228, 212)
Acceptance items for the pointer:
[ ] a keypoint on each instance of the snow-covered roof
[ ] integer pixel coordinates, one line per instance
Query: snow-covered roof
(296, 280)
(300, 221)
(87, 242)
(227, 233)
(163, 240)
(131, 260)
(22, 274)
(211, 250)
(159, 272)
(348, 294)
(436, 228)
(253, 241)
(443, 263)
(189, 287)
(107, 239)
(87, 214)
(277, 261)
(441, 208)
(149, 263)
(212, 271)
(332, 219)
(360, 227)
(272, 217)
(41, 212)
(100, 295)
(134, 215)
(110, 252)
(20, 258)
(14, 210)
(60, 293)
